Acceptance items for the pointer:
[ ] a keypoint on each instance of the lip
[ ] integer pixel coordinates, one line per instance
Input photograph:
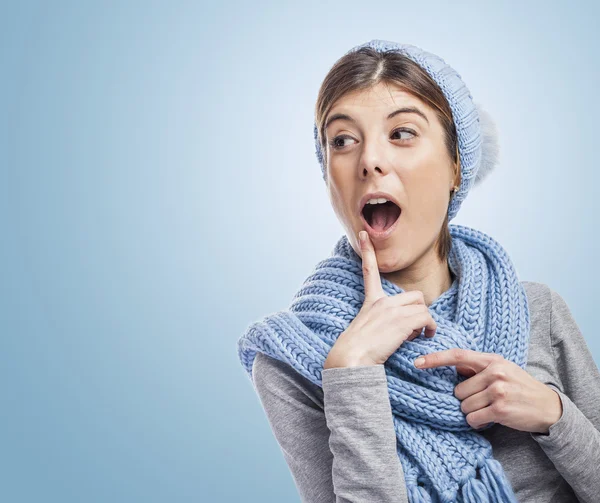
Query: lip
(378, 235)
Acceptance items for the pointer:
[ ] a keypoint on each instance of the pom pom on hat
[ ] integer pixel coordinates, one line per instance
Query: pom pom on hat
(489, 145)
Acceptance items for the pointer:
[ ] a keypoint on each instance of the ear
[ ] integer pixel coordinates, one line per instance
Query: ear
(489, 145)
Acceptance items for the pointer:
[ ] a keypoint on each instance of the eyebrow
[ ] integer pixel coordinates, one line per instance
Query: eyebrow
(404, 110)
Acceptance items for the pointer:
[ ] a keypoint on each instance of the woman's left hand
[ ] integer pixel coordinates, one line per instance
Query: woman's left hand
(499, 391)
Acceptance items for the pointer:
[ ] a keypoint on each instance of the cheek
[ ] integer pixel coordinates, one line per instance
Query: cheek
(337, 197)
(433, 198)
(428, 191)
(338, 173)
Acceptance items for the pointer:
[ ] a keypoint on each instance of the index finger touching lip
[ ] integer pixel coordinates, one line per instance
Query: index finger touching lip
(373, 288)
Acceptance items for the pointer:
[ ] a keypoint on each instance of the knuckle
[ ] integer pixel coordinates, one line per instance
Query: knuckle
(470, 420)
(499, 408)
(498, 389)
(457, 354)
(498, 371)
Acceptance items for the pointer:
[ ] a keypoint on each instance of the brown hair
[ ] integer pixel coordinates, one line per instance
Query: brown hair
(367, 67)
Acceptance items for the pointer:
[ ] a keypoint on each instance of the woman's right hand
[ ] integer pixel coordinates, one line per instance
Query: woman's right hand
(383, 322)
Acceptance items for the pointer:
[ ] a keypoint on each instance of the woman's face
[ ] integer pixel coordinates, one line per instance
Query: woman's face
(404, 156)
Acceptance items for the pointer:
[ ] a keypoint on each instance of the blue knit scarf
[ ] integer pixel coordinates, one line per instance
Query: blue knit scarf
(443, 458)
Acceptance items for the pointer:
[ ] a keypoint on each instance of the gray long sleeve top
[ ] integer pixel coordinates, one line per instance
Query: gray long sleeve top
(339, 440)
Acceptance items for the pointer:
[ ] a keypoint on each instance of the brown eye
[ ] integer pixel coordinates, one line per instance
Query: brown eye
(335, 142)
(405, 130)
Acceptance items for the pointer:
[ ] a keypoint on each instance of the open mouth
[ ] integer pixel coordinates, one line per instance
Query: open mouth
(382, 216)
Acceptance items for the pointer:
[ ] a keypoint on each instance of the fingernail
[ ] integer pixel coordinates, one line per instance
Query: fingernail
(362, 235)
(419, 362)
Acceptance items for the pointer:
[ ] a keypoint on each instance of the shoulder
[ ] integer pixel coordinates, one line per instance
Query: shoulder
(537, 292)
(275, 378)
(544, 302)
(539, 301)
(542, 297)
(553, 331)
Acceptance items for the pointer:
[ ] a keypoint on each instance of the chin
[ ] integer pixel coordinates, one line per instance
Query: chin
(391, 258)
(390, 266)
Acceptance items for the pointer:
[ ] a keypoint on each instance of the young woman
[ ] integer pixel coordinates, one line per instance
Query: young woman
(506, 405)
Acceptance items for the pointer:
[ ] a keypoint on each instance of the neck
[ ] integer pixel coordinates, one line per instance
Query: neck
(428, 275)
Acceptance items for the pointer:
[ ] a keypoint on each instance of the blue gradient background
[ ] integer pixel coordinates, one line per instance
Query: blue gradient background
(160, 192)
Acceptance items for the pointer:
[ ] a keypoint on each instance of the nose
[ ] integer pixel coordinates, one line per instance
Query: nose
(371, 160)
(366, 170)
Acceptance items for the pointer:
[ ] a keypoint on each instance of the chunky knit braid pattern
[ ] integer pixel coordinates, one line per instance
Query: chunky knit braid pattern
(443, 458)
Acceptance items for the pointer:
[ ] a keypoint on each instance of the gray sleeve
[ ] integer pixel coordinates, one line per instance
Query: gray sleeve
(366, 466)
(339, 441)
(573, 442)
(292, 406)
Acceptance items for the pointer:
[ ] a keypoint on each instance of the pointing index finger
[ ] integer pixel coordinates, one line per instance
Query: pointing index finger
(474, 360)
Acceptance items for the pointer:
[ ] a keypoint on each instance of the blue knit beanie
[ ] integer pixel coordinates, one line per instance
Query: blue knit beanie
(476, 131)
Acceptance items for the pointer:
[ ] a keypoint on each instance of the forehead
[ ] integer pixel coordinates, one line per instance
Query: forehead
(382, 95)
(382, 101)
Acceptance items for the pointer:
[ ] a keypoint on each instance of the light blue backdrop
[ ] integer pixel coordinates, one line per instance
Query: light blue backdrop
(160, 192)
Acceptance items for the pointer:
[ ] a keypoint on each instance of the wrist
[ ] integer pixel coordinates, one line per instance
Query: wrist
(555, 411)
(336, 360)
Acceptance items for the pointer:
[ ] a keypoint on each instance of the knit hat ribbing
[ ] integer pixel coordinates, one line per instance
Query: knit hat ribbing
(476, 131)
